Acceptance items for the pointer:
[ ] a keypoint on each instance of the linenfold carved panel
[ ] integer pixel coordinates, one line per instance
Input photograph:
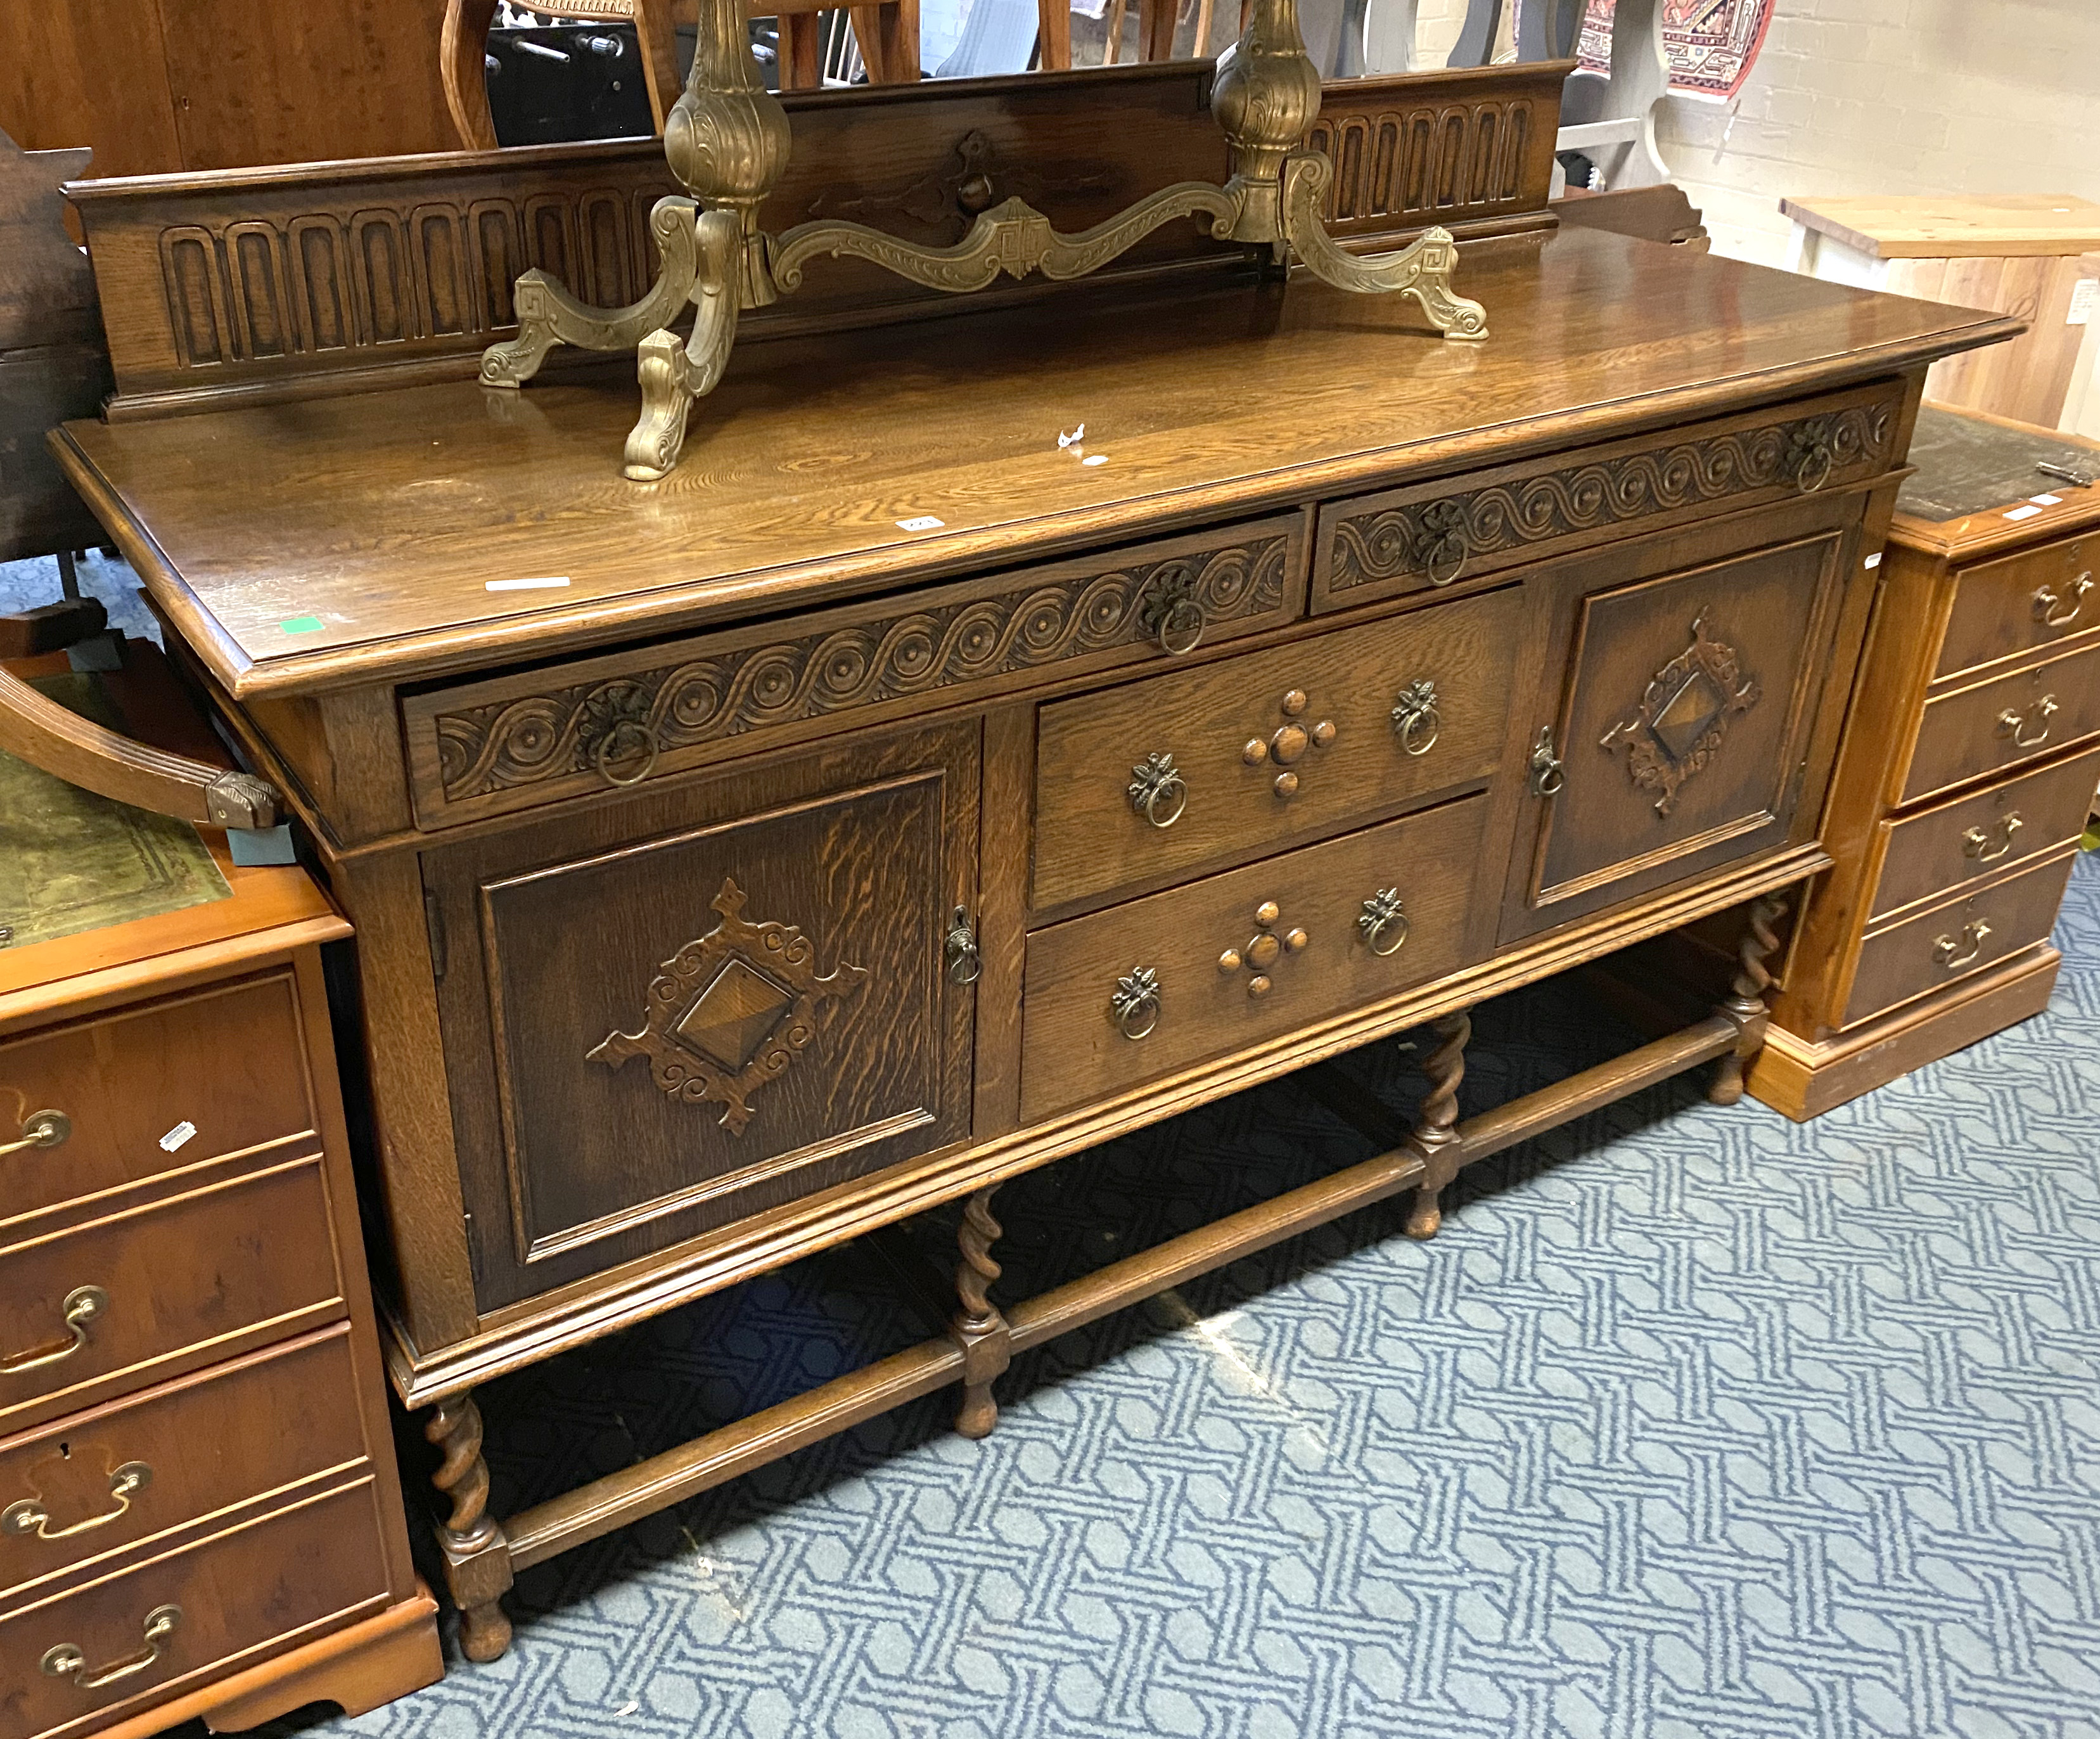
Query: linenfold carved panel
(1426, 165)
(550, 734)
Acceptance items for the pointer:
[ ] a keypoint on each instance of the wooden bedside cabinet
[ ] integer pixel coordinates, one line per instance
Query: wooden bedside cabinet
(1969, 762)
(200, 1514)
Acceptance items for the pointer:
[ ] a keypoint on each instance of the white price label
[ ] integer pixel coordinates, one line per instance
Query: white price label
(2085, 297)
(175, 1138)
(923, 523)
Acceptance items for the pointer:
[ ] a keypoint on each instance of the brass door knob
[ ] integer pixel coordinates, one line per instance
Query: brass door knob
(1157, 790)
(1976, 843)
(2053, 611)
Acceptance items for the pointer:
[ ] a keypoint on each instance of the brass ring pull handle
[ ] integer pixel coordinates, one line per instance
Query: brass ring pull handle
(2049, 609)
(608, 751)
(82, 1306)
(40, 1129)
(1415, 717)
(966, 964)
(1976, 843)
(1441, 551)
(1157, 790)
(1811, 457)
(30, 1516)
(2019, 725)
(65, 1661)
(1384, 921)
(1547, 776)
(1135, 1006)
(1173, 614)
(1954, 953)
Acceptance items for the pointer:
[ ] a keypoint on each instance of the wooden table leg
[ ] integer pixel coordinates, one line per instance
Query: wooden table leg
(978, 1329)
(1746, 1005)
(477, 1555)
(1436, 1136)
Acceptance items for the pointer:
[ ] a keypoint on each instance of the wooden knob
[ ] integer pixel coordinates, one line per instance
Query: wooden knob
(1288, 743)
(1323, 733)
(1229, 961)
(1255, 752)
(1267, 913)
(1287, 785)
(1294, 703)
(1258, 986)
(1296, 940)
(1262, 951)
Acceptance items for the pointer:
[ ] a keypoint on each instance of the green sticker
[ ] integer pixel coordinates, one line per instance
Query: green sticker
(302, 624)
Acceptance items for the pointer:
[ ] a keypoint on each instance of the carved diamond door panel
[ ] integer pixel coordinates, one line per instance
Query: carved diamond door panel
(693, 1007)
(1674, 724)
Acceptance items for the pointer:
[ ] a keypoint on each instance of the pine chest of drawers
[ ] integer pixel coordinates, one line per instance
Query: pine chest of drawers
(1968, 768)
(897, 798)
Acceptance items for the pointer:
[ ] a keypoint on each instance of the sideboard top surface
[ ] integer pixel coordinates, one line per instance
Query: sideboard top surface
(334, 541)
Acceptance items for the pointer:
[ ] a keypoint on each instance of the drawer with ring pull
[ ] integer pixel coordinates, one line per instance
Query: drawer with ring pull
(2005, 721)
(109, 1306)
(1138, 785)
(98, 1482)
(1918, 955)
(2007, 608)
(1124, 995)
(82, 1657)
(1930, 854)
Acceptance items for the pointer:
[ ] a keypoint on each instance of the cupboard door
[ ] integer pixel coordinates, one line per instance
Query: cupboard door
(674, 1012)
(1696, 685)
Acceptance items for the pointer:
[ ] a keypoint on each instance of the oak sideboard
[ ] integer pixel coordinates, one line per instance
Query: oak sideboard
(1001, 730)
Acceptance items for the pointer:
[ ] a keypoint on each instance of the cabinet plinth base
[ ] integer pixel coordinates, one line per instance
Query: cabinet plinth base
(1804, 1077)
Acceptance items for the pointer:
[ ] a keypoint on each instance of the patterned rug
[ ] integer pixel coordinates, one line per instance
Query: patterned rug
(1691, 1424)
(1711, 44)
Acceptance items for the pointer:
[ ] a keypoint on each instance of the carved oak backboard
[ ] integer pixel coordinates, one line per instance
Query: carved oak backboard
(710, 1001)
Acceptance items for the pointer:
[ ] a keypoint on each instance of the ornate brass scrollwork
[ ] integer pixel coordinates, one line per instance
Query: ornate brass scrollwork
(965, 964)
(1264, 949)
(1547, 776)
(2019, 723)
(66, 1660)
(1976, 843)
(40, 1129)
(1955, 952)
(1157, 790)
(1684, 717)
(1288, 742)
(82, 1306)
(29, 1516)
(1172, 613)
(1415, 717)
(2049, 609)
(1384, 922)
(1440, 550)
(1134, 1005)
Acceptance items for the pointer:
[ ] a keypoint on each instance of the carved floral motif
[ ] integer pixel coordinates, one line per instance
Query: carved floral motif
(522, 742)
(1684, 717)
(729, 1011)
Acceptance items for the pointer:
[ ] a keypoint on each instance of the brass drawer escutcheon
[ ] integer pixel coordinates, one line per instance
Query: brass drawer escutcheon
(965, 963)
(1415, 717)
(1955, 952)
(1547, 776)
(82, 1306)
(2019, 723)
(29, 1516)
(1288, 742)
(1135, 1006)
(1158, 792)
(1976, 843)
(2049, 608)
(1384, 921)
(1264, 949)
(41, 1129)
(66, 1660)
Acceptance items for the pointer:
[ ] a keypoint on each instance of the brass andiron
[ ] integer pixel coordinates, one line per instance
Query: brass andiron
(726, 140)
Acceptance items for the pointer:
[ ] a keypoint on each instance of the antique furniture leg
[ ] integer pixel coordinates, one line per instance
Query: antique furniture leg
(1745, 1004)
(979, 1328)
(1436, 1136)
(477, 1555)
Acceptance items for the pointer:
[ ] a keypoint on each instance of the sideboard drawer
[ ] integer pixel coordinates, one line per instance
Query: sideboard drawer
(1437, 533)
(110, 1306)
(2003, 609)
(516, 741)
(95, 1482)
(136, 1636)
(1137, 785)
(155, 1087)
(2004, 722)
(1937, 947)
(1936, 852)
(1123, 995)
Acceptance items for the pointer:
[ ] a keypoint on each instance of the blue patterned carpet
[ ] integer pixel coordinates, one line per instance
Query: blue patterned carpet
(1691, 1423)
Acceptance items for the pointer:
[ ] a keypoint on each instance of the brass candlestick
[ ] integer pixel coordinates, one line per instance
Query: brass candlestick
(727, 141)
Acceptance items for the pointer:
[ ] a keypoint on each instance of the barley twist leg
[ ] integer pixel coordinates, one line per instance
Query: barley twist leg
(477, 1555)
(1435, 1134)
(1745, 1004)
(978, 1328)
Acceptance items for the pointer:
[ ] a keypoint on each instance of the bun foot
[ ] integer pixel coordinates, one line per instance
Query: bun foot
(1426, 1216)
(979, 1411)
(484, 1632)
